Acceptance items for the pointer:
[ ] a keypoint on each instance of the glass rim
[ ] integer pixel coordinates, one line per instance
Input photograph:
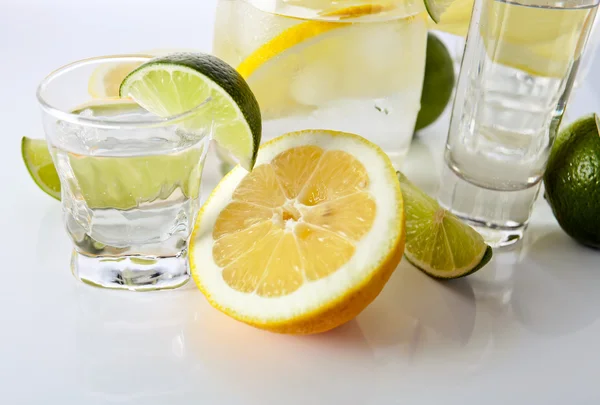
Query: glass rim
(106, 122)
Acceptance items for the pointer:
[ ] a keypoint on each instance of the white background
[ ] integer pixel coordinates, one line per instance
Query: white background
(524, 330)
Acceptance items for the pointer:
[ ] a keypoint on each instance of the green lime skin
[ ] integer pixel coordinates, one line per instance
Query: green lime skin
(572, 180)
(487, 257)
(437, 84)
(225, 76)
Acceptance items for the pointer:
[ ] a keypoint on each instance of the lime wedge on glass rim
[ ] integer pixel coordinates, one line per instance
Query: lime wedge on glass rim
(437, 242)
(176, 83)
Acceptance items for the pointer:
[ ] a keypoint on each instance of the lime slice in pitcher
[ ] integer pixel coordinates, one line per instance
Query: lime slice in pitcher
(177, 83)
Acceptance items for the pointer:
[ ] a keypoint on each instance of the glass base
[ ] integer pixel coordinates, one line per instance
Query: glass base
(134, 273)
(494, 235)
(501, 217)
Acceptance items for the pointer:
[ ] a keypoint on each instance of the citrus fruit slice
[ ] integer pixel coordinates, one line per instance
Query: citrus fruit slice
(39, 165)
(305, 241)
(437, 242)
(305, 66)
(176, 83)
(126, 182)
(106, 78)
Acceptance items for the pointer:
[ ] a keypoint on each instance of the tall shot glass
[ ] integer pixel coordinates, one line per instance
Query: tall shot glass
(517, 72)
(130, 180)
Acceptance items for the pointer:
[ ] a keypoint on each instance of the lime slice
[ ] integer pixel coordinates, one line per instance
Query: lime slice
(437, 242)
(176, 83)
(39, 164)
(436, 8)
(116, 182)
(127, 182)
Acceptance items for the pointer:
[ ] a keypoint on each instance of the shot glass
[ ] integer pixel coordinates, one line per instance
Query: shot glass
(517, 73)
(130, 180)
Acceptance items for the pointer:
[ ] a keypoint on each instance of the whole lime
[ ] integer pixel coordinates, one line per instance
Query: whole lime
(572, 180)
(437, 84)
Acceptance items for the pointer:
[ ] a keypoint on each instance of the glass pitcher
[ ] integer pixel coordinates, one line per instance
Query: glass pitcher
(349, 66)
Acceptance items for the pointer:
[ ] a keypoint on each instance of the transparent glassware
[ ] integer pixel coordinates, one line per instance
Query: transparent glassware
(516, 76)
(589, 55)
(324, 64)
(130, 180)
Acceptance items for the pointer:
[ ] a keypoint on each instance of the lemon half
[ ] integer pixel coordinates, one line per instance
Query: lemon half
(305, 241)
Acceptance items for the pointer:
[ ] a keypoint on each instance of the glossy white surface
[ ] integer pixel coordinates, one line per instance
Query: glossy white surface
(525, 330)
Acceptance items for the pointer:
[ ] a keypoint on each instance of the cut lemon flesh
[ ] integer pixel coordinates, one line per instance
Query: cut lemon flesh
(307, 239)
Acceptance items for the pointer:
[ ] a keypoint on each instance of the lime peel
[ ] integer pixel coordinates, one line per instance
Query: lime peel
(39, 164)
(437, 242)
(177, 83)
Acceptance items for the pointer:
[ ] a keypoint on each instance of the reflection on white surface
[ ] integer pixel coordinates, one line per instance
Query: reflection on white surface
(557, 285)
(126, 334)
(310, 369)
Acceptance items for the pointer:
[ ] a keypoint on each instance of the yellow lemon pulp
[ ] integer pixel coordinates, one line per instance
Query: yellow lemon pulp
(307, 240)
(292, 221)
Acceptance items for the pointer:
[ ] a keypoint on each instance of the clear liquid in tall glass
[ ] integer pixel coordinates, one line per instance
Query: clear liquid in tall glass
(517, 73)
